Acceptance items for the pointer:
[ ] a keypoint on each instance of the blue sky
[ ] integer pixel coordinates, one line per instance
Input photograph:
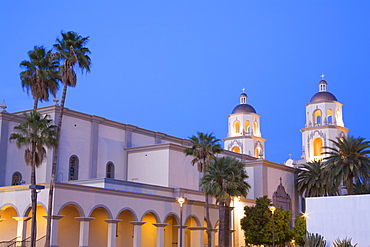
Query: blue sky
(178, 67)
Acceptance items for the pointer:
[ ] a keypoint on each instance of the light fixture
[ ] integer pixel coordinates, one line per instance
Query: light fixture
(181, 200)
(272, 209)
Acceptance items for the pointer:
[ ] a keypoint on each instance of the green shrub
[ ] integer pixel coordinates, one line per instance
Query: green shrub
(343, 243)
(314, 240)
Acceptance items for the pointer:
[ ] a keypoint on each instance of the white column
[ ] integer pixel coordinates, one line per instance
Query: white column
(197, 236)
(54, 229)
(160, 234)
(84, 231)
(137, 232)
(213, 237)
(112, 232)
(21, 227)
(179, 235)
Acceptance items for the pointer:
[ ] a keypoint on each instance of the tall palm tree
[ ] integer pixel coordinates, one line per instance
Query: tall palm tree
(40, 75)
(72, 52)
(34, 134)
(225, 177)
(313, 180)
(348, 160)
(204, 147)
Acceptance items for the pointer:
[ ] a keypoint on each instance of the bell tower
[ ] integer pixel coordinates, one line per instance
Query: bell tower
(324, 122)
(244, 133)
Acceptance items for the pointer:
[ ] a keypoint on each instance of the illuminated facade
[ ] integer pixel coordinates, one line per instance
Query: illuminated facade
(244, 130)
(117, 185)
(324, 122)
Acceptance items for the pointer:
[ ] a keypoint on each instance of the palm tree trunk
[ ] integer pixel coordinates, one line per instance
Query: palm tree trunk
(350, 189)
(221, 226)
(209, 226)
(54, 168)
(227, 225)
(35, 103)
(33, 195)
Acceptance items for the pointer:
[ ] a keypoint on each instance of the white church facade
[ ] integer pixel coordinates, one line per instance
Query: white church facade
(117, 184)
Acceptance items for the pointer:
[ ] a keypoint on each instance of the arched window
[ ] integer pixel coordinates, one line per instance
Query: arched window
(247, 126)
(237, 127)
(257, 152)
(17, 178)
(317, 117)
(110, 170)
(330, 116)
(236, 149)
(73, 168)
(255, 128)
(317, 147)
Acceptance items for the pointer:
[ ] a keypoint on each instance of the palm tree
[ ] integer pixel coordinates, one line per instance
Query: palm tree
(71, 50)
(40, 75)
(313, 180)
(224, 177)
(34, 134)
(348, 160)
(204, 147)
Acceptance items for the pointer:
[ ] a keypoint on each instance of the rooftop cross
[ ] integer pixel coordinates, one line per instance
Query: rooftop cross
(322, 76)
(243, 89)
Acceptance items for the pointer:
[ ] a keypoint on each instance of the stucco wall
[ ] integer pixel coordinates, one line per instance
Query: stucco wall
(340, 217)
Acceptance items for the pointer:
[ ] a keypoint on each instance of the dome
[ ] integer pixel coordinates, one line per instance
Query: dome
(243, 108)
(323, 96)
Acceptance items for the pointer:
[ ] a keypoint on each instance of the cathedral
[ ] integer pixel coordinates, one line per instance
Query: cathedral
(118, 184)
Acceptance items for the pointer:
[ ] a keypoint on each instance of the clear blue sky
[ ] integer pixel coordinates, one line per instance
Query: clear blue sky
(178, 67)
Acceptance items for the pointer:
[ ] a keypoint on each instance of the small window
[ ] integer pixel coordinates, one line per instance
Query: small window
(258, 153)
(247, 126)
(73, 168)
(330, 116)
(236, 149)
(255, 128)
(17, 178)
(237, 127)
(110, 170)
(317, 117)
(317, 147)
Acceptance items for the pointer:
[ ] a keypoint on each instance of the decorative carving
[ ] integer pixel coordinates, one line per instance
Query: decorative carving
(281, 198)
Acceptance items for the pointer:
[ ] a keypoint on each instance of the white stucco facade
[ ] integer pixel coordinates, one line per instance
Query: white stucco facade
(133, 203)
(340, 217)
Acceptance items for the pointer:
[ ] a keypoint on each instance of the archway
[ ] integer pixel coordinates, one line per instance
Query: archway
(125, 230)
(98, 232)
(190, 222)
(68, 226)
(8, 225)
(40, 222)
(171, 236)
(149, 231)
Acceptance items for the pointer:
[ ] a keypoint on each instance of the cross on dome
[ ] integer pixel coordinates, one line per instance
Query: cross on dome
(322, 76)
(243, 89)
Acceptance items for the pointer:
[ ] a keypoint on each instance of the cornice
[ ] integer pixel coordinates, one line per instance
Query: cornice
(251, 113)
(267, 163)
(325, 127)
(237, 155)
(244, 137)
(316, 103)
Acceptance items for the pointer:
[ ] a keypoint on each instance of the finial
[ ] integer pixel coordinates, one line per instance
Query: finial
(290, 156)
(243, 89)
(55, 100)
(322, 76)
(281, 181)
(3, 106)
